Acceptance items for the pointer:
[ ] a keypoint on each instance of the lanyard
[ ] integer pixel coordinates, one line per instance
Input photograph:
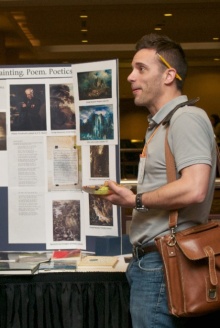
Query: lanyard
(143, 154)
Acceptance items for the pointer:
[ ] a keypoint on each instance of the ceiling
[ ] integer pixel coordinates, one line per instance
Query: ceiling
(49, 31)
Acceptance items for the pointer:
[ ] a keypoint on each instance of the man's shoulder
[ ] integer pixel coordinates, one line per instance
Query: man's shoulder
(190, 112)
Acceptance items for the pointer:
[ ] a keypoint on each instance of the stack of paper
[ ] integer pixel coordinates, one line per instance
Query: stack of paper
(102, 262)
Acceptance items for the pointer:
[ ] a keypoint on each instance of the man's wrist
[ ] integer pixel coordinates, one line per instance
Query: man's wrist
(139, 205)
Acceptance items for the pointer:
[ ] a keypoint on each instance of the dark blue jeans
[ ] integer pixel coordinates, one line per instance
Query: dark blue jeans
(148, 300)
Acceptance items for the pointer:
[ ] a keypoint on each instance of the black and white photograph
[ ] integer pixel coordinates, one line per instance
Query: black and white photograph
(66, 220)
(65, 224)
(27, 107)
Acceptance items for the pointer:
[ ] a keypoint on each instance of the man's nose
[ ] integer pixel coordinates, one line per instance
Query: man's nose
(130, 77)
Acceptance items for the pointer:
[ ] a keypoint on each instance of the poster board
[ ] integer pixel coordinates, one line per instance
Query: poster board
(58, 132)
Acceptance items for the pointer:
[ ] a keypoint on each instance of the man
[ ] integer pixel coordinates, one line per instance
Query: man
(30, 119)
(158, 71)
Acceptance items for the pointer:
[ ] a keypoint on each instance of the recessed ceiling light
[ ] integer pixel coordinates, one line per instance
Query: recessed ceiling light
(168, 15)
(84, 41)
(157, 28)
(216, 59)
(83, 16)
(84, 30)
(215, 38)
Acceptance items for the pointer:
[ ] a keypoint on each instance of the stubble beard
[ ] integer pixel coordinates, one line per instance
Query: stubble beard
(140, 101)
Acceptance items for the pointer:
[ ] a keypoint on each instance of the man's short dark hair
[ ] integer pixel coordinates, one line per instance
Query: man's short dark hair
(170, 50)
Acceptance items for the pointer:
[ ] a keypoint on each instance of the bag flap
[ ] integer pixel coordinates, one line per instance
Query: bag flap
(193, 241)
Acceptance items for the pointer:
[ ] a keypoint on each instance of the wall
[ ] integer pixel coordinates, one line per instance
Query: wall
(133, 123)
(203, 82)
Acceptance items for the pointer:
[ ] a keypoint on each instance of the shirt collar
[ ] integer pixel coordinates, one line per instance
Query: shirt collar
(164, 111)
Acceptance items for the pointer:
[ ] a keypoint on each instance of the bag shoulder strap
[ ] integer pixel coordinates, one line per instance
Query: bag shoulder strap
(190, 102)
(170, 162)
(171, 176)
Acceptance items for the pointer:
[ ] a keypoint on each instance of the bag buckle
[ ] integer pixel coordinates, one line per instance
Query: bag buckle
(172, 239)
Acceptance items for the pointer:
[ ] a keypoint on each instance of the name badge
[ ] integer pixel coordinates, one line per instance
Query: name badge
(141, 169)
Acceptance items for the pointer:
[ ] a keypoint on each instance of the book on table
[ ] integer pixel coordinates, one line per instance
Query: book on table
(66, 255)
(7, 257)
(34, 256)
(14, 263)
(57, 266)
(15, 268)
(98, 261)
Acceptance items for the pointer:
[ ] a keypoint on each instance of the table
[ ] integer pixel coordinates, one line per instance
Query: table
(65, 300)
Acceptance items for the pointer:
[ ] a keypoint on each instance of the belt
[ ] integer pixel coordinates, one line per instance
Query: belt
(139, 251)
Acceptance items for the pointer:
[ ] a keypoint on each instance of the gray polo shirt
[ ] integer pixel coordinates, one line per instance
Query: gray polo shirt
(191, 140)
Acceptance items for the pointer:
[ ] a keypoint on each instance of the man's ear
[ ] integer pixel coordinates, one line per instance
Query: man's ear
(170, 75)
